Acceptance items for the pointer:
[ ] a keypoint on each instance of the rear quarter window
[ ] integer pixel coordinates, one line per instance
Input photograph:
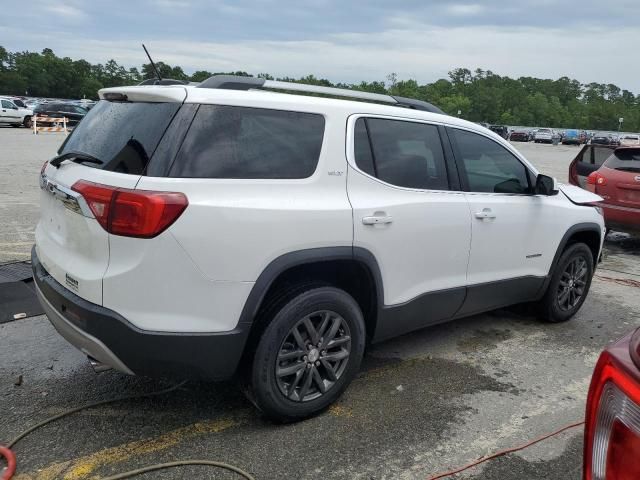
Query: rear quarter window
(250, 143)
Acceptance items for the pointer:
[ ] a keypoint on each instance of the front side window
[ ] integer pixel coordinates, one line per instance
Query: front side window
(488, 166)
(241, 142)
(402, 153)
(7, 104)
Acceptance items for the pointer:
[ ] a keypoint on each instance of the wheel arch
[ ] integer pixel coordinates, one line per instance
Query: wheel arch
(588, 233)
(353, 269)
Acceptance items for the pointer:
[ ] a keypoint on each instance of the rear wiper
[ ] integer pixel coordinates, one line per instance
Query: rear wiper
(74, 156)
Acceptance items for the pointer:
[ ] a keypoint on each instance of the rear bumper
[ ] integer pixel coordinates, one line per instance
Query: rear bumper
(623, 218)
(109, 338)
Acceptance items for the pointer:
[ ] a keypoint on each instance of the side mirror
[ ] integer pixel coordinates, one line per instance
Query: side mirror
(14, 108)
(546, 185)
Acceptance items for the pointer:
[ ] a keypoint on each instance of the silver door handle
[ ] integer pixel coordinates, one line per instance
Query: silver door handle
(377, 220)
(486, 213)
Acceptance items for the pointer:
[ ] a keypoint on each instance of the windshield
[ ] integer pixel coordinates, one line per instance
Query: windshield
(122, 135)
(627, 159)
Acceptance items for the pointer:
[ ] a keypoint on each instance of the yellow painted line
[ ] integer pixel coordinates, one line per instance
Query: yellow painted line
(16, 253)
(81, 468)
(338, 410)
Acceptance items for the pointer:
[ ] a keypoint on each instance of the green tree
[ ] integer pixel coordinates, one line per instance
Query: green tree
(479, 95)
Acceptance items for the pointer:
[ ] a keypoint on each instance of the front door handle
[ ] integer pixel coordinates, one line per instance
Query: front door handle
(377, 220)
(485, 213)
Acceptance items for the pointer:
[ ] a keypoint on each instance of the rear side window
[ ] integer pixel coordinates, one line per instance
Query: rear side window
(364, 157)
(626, 159)
(122, 135)
(241, 142)
(402, 153)
(594, 154)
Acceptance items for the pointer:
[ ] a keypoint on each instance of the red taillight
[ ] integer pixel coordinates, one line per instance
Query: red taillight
(596, 178)
(132, 213)
(623, 462)
(98, 197)
(612, 431)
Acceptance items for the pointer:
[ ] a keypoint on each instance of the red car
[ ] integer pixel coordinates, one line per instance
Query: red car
(616, 180)
(612, 430)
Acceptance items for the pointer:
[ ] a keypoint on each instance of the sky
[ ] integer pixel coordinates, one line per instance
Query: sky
(342, 40)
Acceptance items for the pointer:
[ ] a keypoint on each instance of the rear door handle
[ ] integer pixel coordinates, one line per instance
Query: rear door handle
(485, 213)
(377, 220)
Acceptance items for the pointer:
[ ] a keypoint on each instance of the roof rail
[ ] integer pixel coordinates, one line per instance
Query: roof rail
(233, 82)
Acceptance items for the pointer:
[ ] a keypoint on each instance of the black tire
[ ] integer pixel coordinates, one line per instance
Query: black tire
(283, 397)
(569, 285)
(27, 122)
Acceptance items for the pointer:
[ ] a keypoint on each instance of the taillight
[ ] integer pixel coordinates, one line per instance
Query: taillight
(596, 178)
(132, 213)
(98, 197)
(612, 431)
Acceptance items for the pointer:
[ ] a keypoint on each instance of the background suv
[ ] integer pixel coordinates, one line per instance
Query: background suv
(224, 229)
(617, 181)
(543, 135)
(73, 112)
(13, 114)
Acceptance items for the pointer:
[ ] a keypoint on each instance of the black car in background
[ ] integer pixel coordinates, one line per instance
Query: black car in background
(501, 130)
(603, 139)
(74, 113)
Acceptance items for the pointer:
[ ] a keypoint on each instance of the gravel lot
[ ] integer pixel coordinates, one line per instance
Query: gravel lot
(425, 402)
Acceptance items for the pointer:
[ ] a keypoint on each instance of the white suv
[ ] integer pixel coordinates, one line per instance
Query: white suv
(223, 230)
(543, 135)
(14, 114)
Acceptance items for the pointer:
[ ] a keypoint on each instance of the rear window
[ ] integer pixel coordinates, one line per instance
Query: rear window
(122, 135)
(241, 142)
(627, 159)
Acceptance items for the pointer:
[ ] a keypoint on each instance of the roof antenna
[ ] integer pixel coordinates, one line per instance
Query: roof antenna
(152, 64)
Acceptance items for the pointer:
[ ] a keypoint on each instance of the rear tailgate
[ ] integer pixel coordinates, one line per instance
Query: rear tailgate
(118, 138)
(622, 172)
(70, 243)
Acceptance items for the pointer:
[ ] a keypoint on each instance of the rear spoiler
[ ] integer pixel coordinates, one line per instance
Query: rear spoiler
(145, 93)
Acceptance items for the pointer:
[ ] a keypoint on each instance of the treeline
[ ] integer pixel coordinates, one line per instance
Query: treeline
(479, 96)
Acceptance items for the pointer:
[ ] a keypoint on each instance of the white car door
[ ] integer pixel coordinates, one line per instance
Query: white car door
(408, 216)
(514, 233)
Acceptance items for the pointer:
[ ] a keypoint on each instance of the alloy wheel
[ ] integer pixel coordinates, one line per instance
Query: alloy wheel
(313, 356)
(572, 283)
